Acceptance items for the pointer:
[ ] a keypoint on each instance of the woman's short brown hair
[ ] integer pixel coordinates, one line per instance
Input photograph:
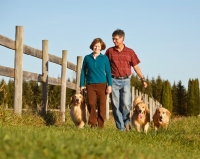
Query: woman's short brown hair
(98, 40)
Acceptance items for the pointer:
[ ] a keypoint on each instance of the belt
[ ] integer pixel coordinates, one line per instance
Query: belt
(124, 77)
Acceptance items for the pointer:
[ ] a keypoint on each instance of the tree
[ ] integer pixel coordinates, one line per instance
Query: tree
(166, 96)
(69, 94)
(193, 97)
(36, 94)
(26, 95)
(10, 96)
(174, 99)
(53, 96)
(182, 99)
(157, 88)
(3, 92)
(135, 82)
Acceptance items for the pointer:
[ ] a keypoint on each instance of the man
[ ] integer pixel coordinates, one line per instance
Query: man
(121, 60)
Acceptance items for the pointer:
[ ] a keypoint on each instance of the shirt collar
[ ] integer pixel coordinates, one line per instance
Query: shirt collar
(99, 54)
(124, 49)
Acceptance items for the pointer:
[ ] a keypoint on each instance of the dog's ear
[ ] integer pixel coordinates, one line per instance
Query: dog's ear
(157, 111)
(147, 109)
(168, 113)
(71, 101)
(71, 98)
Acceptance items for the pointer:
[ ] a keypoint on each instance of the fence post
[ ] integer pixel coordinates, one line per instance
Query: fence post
(136, 92)
(63, 85)
(45, 59)
(132, 99)
(146, 100)
(78, 73)
(18, 77)
(151, 106)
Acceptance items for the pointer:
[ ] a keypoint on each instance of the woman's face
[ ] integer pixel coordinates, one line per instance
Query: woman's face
(97, 48)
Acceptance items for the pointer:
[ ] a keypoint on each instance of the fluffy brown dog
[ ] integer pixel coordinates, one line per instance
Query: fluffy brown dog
(141, 115)
(161, 118)
(78, 111)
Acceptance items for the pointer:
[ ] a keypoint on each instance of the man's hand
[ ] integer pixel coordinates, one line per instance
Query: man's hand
(144, 84)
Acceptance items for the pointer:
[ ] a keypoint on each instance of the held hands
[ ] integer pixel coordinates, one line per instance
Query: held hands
(108, 89)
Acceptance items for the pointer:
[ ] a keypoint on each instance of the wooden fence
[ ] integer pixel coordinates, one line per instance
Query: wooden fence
(149, 101)
(19, 75)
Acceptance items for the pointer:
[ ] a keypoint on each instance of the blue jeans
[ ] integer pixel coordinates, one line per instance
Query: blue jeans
(121, 102)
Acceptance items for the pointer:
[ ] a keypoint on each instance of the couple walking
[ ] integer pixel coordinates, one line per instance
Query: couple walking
(103, 74)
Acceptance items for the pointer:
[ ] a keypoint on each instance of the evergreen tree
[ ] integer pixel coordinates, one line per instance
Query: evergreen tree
(174, 99)
(53, 96)
(3, 92)
(36, 94)
(69, 94)
(135, 82)
(157, 88)
(193, 97)
(197, 94)
(166, 97)
(182, 99)
(26, 95)
(10, 95)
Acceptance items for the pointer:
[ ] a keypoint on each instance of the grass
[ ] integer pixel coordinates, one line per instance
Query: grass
(32, 137)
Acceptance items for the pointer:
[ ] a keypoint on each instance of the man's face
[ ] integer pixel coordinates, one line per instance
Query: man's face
(118, 40)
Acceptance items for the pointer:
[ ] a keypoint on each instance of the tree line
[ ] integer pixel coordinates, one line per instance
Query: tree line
(173, 97)
(32, 95)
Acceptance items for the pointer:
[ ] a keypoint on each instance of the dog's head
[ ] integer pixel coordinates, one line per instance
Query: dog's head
(137, 100)
(77, 99)
(162, 113)
(141, 109)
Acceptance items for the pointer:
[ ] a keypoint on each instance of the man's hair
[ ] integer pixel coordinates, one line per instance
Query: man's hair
(119, 33)
(98, 40)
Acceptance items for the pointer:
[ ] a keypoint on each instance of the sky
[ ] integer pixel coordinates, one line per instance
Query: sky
(164, 34)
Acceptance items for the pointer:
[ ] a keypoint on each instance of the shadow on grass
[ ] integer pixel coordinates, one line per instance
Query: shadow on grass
(50, 118)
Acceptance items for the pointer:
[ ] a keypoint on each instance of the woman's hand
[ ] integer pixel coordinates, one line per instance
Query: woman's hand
(83, 88)
(108, 89)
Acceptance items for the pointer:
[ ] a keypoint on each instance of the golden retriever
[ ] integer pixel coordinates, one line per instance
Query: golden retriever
(78, 110)
(161, 118)
(141, 115)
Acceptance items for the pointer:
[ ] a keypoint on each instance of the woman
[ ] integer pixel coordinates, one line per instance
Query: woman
(96, 74)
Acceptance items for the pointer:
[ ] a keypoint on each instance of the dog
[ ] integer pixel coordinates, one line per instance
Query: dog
(141, 115)
(78, 110)
(161, 118)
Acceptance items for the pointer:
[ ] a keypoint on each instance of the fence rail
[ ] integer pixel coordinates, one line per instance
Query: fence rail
(149, 101)
(19, 74)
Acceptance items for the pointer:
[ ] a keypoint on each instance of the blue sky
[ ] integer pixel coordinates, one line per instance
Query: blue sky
(164, 34)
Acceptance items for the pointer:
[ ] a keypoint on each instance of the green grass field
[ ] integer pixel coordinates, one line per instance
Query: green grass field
(30, 138)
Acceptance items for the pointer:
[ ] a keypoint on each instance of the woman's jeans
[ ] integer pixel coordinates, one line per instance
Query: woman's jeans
(121, 102)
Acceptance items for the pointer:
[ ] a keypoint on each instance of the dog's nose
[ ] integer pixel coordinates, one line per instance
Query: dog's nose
(160, 117)
(140, 111)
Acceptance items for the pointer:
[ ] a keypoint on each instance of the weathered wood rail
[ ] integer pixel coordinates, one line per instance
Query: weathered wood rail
(149, 101)
(19, 75)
